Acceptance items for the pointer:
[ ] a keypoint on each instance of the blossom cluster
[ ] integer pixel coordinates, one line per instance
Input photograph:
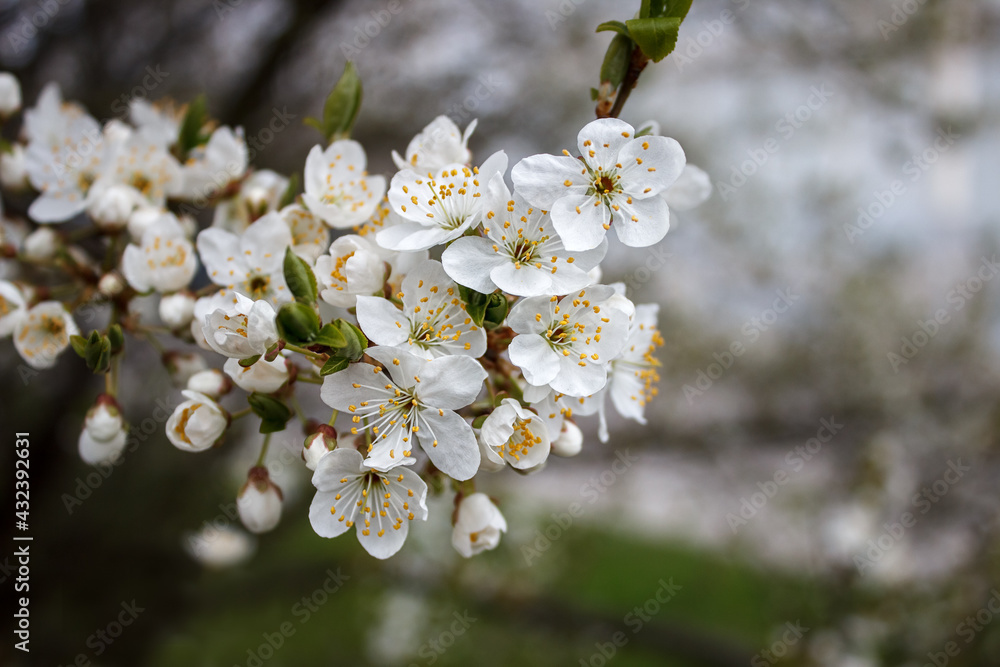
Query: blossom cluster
(453, 321)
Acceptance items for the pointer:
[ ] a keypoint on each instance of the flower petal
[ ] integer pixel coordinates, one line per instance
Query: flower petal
(541, 179)
(642, 223)
(450, 443)
(450, 382)
(538, 362)
(581, 221)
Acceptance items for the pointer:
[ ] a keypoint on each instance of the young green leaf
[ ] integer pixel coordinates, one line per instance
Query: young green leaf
(273, 413)
(341, 107)
(613, 26)
(299, 277)
(334, 364)
(330, 336)
(297, 323)
(657, 37)
(291, 192)
(190, 134)
(616, 60)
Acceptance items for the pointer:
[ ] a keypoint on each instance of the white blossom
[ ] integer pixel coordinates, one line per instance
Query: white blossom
(438, 145)
(317, 444)
(691, 189)
(570, 440)
(432, 322)
(10, 94)
(43, 333)
(164, 261)
(40, 245)
(567, 343)
(260, 193)
(13, 168)
(310, 237)
(555, 408)
(177, 309)
(618, 180)
(214, 165)
(353, 267)
(337, 187)
(515, 435)
(521, 253)
(218, 547)
(259, 502)
(263, 376)
(197, 423)
(436, 207)
(415, 401)
(243, 330)
(380, 504)
(251, 263)
(12, 307)
(211, 382)
(478, 525)
(103, 436)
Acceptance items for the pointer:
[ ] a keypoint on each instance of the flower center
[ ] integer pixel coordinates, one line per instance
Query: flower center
(258, 286)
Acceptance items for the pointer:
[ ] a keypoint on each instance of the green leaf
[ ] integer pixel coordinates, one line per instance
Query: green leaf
(79, 344)
(190, 134)
(299, 277)
(657, 37)
(644, 132)
(616, 60)
(341, 107)
(291, 192)
(96, 352)
(273, 413)
(249, 361)
(677, 9)
(479, 421)
(496, 310)
(297, 323)
(334, 364)
(355, 341)
(594, 94)
(330, 336)
(116, 337)
(613, 26)
(475, 304)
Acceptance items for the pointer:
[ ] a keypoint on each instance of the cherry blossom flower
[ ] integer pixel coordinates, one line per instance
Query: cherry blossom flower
(379, 504)
(521, 252)
(353, 267)
(10, 94)
(243, 330)
(211, 382)
(515, 435)
(197, 423)
(43, 332)
(438, 206)
(618, 180)
(555, 408)
(177, 310)
(337, 187)
(432, 322)
(259, 502)
(260, 193)
(103, 436)
(251, 263)
(635, 372)
(165, 261)
(691, 189)
(310, 237)
(263, 375)
(478, 525)
(568, 343)
(415, 401)
(317, 444)
(570, 440)
(12, 307)
(214, 165)
(438, 145)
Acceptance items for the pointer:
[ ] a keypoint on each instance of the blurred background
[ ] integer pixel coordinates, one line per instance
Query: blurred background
(818, 481)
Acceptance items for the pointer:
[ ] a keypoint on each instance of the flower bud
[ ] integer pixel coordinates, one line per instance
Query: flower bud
(13, 173)
(182, 365)
(41, 244)
(142, 219)
(318, 444)
(176, 310)
(112, 208)
(111, 284)
(10, 95)
(259, 501)
(477, 526)
(570, 440)
(219, 547)
(210, 382)
(197, 423)
(103, 436)
(263, 376)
